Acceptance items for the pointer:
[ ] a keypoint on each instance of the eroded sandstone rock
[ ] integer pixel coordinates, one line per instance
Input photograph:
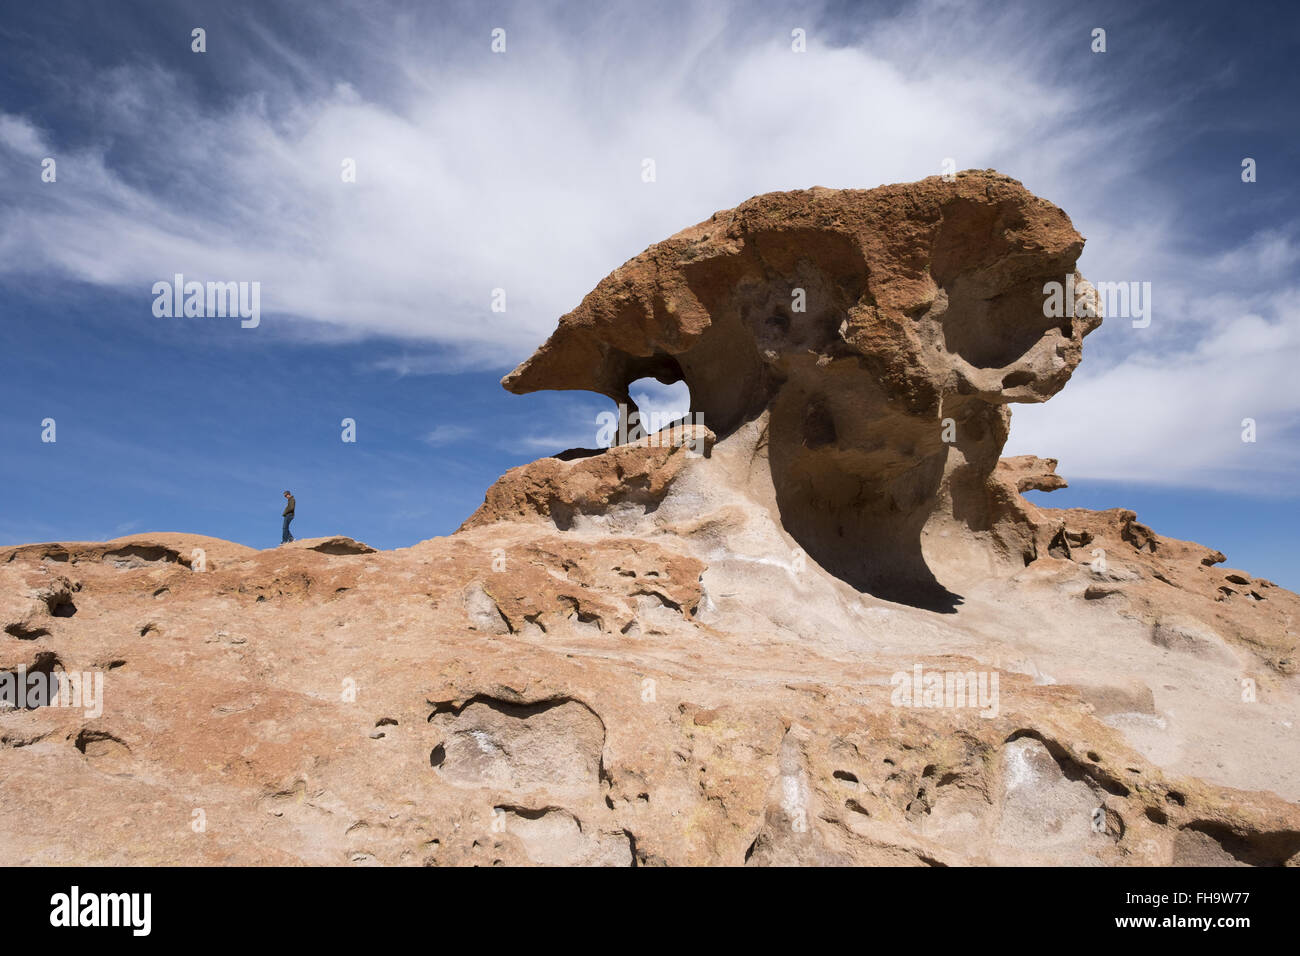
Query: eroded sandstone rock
(879, 333)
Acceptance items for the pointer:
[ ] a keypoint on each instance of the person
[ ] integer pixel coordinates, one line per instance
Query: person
(286, 537)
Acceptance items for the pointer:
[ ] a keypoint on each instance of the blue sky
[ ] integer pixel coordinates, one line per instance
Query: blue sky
(522, 171)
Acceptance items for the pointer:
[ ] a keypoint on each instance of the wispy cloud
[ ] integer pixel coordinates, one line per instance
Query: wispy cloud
(448, 434)
(552, 442)
(480, 172)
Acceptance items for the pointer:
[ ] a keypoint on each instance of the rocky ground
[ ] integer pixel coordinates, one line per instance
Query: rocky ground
(716, 645)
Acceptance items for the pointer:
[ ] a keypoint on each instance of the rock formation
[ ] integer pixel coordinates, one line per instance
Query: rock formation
(822, 626)
(857, 325)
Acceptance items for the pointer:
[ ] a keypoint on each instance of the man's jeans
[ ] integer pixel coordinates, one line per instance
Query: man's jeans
(286, 537)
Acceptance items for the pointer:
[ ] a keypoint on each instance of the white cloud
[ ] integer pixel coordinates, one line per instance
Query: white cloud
(1176, 417)
(1268, 255)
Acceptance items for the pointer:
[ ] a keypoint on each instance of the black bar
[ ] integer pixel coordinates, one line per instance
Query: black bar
(333, 905)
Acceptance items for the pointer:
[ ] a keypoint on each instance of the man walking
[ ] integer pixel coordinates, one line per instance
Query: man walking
(286, 537)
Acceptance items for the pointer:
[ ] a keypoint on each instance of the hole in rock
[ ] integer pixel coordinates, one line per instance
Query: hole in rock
(554, 744)
(657, 402)
(1071, 768)
(818, 426)
(26, 632)
(1212, 843)
(63, 607)
(133, 556)
(100, 743)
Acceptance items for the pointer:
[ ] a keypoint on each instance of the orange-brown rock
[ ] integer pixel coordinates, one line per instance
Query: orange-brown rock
(817, 632)
(1169, 585)
(591, 482)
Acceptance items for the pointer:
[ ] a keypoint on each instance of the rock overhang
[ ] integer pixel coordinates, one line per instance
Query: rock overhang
(881, 332)
(936, 286)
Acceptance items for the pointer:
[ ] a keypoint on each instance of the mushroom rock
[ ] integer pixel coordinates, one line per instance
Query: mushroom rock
(875, 336)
